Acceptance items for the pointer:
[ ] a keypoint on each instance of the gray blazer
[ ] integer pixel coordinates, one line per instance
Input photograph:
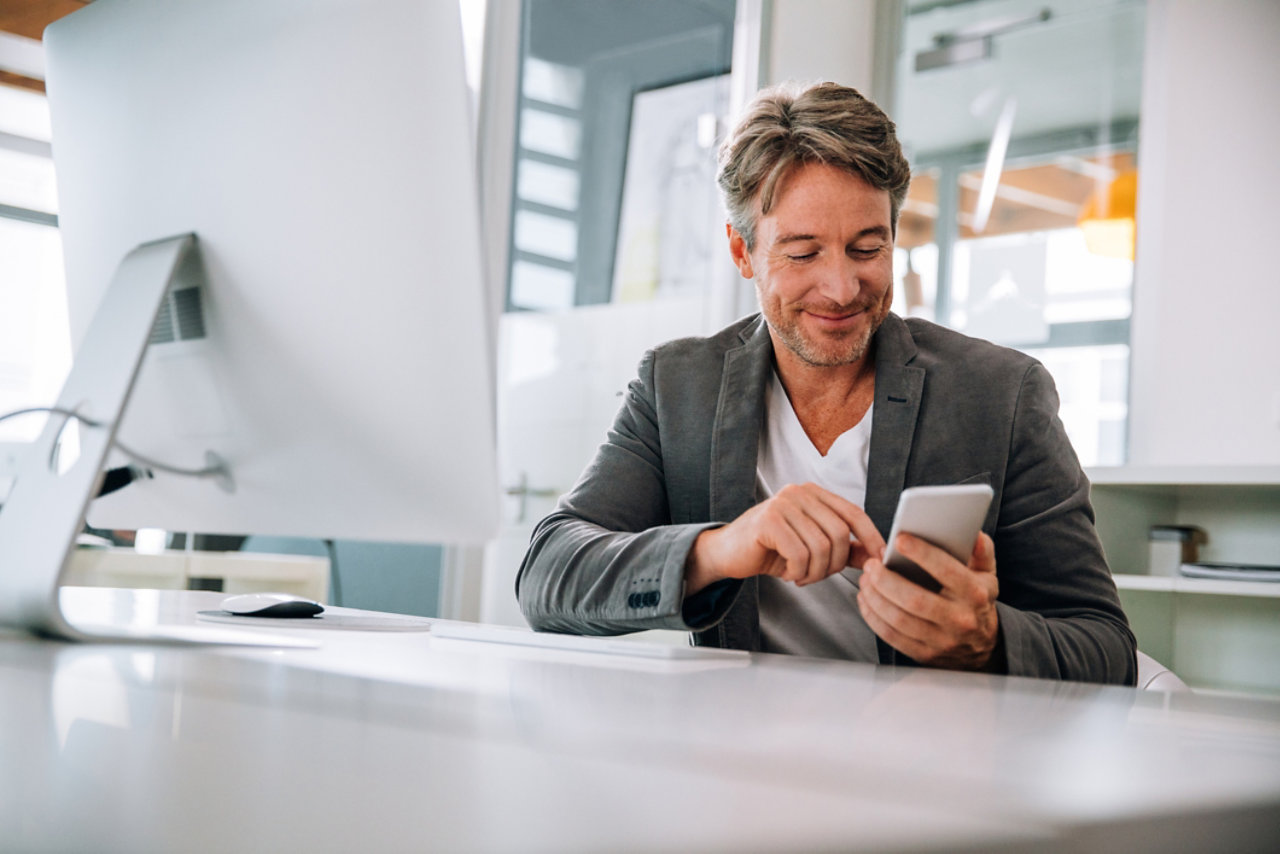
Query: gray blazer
(681, 458)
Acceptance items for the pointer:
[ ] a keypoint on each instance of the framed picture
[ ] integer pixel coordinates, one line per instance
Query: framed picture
(670, 203)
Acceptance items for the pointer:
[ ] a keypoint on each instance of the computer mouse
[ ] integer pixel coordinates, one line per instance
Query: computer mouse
(270, 605)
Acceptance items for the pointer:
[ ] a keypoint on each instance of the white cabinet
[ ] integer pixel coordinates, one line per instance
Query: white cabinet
(1219, 635)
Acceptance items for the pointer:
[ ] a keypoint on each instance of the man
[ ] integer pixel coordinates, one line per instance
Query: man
(749, 479)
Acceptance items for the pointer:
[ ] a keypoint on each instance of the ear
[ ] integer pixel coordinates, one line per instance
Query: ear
(738, 250)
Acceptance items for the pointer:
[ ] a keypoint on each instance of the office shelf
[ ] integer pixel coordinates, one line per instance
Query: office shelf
(1205, 586)
(1188, 476)
(1215, 633)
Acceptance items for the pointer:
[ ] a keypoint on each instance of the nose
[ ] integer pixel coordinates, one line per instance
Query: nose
(839, 280)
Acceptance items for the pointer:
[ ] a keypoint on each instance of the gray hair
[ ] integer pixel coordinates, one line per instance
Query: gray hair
(788, 126)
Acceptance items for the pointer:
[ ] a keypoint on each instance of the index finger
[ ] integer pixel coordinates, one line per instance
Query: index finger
(860, 524)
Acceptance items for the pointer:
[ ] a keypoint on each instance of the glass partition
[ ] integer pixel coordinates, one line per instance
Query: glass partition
(1021, 121)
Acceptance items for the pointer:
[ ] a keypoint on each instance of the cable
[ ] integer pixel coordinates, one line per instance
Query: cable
(54, 410)
(207, 471)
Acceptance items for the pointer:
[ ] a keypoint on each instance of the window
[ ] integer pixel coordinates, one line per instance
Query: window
(544, 232)
(35, 346)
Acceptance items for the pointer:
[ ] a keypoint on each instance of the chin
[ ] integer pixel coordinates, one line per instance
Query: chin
(838, 358)
(830, 351)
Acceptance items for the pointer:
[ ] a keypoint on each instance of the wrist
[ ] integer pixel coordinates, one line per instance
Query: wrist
(699, 569)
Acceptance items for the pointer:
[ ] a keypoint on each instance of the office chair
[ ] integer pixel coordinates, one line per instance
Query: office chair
(1154, 676)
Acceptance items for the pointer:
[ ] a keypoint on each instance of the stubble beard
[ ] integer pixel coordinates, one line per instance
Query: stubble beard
(828, 352)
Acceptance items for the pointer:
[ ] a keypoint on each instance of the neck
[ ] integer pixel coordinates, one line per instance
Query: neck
(826, 400)
(806, 383)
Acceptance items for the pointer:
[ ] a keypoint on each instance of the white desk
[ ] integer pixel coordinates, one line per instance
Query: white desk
(395, 741)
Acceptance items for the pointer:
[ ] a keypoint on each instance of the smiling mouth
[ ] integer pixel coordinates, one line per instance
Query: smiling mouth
(825, 317)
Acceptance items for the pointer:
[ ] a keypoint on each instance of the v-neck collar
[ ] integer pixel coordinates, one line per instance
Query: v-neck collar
(796, 436)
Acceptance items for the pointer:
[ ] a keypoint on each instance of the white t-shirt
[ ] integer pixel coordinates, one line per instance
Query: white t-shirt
(821, 619)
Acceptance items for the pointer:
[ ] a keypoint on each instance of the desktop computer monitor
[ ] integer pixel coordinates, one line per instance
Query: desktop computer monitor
(298, 176)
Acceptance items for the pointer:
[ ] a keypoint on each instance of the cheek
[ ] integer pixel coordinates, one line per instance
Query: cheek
(884, 268)
(782, 284)
(883, 278)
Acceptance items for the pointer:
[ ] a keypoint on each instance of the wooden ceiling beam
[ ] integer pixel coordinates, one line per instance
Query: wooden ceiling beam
(8, 78)
(30, 17)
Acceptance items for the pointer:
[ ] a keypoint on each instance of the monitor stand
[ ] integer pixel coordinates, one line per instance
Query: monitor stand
(46, 507)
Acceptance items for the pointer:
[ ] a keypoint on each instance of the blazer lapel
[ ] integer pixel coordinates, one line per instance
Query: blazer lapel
(898, 390)
(735, 438)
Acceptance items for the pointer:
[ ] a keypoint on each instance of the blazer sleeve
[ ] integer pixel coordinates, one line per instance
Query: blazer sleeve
(1059, 611)
(609, 560)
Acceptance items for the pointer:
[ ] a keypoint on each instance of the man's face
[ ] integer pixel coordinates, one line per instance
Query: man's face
(822, 264)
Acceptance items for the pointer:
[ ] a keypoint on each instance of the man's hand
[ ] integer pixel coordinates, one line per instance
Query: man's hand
(802, 534)
(957, 627)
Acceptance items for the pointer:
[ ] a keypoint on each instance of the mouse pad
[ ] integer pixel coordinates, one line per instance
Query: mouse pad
(348, 622)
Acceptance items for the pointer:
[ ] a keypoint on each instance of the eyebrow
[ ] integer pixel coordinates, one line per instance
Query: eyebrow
(875, 230)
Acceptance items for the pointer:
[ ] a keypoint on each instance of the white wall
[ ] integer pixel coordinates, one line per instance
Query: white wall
(1206, 325)
(812, 40)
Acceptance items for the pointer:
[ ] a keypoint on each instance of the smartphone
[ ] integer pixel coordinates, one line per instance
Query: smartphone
(949, 517)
